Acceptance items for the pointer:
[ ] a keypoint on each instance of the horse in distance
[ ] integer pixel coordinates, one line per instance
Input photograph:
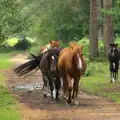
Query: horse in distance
(52, 44)
(71, 65)
(114, 59)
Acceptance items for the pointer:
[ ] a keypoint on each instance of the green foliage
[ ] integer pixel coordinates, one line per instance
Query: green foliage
(23, 45)
(11, 42)
(95, 67)
(11, 20)
(117, 40)
(64, 20)
(34, 50)
(85, 41)
(17, 43)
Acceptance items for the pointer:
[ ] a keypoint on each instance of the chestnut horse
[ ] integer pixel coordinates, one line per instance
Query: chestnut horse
(71, 65)
(52, 44)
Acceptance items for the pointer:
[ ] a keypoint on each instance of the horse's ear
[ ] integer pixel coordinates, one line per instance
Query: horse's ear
(116, 45)
(58, 42)
(81, 47)
(51, 41)
(111, 44)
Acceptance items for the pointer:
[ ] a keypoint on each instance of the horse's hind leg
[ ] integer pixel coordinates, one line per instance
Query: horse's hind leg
(111, 72)
(117, 75)
(65, 87)
(116, 70)
(70, 87)
(111, 76)
(57, 86)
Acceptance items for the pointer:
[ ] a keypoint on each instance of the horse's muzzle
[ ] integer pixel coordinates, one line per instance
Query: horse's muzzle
(79, 69)
(53, 69)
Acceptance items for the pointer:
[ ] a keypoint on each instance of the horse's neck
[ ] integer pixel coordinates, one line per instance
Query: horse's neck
(48, 46)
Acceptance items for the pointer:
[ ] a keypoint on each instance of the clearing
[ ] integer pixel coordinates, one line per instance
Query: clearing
(33, 106)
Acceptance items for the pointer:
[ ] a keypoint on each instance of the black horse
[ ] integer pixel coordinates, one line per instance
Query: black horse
(114, 59)
(49, 69)
(47, 63)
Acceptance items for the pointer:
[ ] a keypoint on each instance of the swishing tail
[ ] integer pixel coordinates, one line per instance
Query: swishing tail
(28, 66)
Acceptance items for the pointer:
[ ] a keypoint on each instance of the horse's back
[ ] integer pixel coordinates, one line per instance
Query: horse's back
(64, 60)
(44, 62)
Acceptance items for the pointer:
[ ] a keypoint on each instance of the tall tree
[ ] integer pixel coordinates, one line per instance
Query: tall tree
(64, 19)
(99, 19)
(11, 20)
(108, 24)
(93, 29)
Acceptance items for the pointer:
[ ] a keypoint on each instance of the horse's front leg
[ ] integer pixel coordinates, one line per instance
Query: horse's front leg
(111, 72)
(45, 79)
(51, 86)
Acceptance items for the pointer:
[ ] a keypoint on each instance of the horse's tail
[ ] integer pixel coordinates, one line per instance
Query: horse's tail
(28, 66)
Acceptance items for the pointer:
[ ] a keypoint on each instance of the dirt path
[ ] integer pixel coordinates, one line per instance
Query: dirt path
(33, 106)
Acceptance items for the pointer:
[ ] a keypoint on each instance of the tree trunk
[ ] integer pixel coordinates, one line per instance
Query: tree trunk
(93, 46)
(108, 25)
(99, 18)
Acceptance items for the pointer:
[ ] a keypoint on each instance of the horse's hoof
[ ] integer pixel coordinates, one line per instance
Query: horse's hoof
(76, 102)
(69, 101)
(45, 95)
(50, 101)
(48, 95)
(113, 80)
(64, 97)
(57, 99)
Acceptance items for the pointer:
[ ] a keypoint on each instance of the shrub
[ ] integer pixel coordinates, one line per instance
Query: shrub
(22, 45)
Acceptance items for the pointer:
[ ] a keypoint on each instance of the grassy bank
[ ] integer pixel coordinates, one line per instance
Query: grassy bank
(8, 108)
(98, 82)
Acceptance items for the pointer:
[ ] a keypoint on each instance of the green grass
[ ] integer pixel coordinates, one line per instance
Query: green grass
(98, 82)
(8, 107)
(4, 61)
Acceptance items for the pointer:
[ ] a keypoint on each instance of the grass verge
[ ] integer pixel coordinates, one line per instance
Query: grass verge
(8, 107)
(98, 83)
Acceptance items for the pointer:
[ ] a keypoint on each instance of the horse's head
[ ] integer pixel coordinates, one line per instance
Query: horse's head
(53, 59)
(77, 55)
(113, 49)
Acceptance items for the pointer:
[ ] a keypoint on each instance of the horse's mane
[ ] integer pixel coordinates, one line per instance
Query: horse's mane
(72, 44)
(75, 47)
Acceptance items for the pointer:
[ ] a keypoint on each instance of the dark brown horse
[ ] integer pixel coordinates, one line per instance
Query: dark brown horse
(114, 59)
(71, 65)
(47, 63)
